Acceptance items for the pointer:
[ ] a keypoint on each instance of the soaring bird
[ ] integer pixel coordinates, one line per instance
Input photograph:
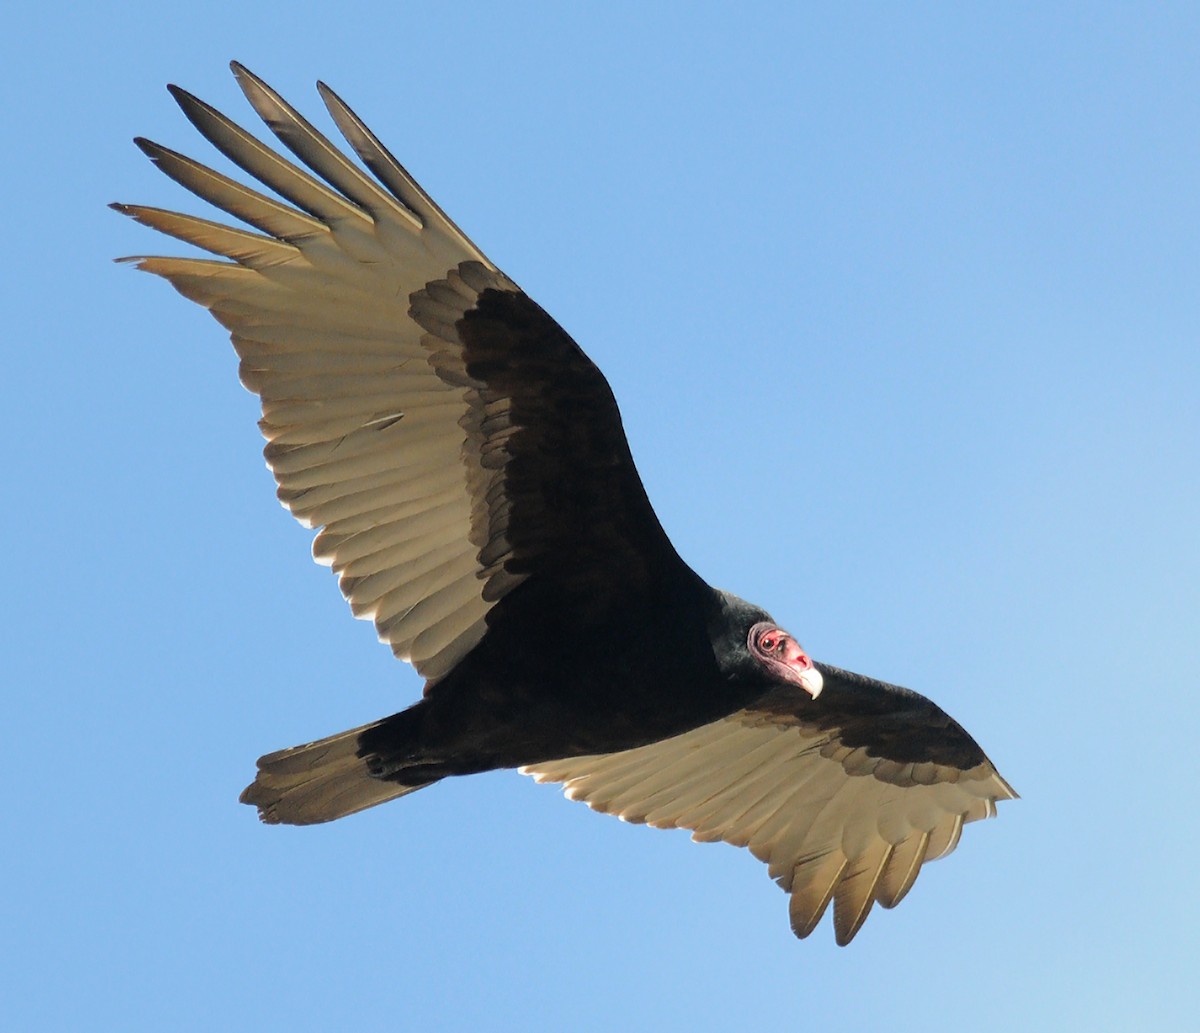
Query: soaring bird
(467, 468)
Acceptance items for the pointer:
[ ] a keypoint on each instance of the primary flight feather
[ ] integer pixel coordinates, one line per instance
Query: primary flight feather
(475, 494)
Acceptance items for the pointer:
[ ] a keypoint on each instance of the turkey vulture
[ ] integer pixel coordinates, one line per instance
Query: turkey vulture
(466, 466)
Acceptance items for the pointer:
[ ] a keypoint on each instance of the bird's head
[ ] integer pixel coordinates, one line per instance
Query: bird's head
(750, 646)
(782, 657)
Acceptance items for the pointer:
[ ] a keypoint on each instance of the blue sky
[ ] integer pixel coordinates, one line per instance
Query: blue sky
(901, 308)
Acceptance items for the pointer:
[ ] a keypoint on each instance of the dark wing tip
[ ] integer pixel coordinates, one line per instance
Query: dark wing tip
(149, 148)
(256, 796)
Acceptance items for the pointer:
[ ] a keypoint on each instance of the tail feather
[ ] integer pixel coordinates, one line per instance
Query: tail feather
(320, 781)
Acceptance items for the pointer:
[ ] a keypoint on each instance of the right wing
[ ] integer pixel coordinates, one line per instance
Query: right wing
(445, 433)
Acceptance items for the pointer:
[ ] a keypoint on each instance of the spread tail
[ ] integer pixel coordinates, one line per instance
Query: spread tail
(322, 780)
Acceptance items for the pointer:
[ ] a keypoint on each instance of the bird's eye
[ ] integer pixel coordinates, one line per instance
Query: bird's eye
(768, 643)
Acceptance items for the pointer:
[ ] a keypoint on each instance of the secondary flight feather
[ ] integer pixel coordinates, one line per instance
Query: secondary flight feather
(467, 469)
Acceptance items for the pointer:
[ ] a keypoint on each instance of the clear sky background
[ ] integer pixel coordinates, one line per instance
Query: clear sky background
(901, 306)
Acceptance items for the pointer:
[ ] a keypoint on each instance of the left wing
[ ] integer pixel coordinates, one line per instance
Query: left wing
(836, 813)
